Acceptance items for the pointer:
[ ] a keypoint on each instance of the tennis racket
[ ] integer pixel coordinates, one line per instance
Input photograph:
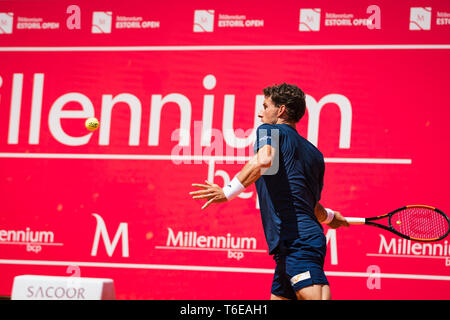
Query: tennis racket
(416, 222)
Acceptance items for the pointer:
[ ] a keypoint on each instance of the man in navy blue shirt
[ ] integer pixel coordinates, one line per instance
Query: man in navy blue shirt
(288, 173)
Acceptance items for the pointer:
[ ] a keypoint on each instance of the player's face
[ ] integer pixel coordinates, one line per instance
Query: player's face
(269, 112)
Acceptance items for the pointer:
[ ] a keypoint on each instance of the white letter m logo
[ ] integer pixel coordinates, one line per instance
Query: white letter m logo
(122, 231)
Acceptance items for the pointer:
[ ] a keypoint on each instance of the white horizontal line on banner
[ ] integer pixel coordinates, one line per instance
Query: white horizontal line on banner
(404, 256)
(216, 269)
(33, 243)
(231, 48)
(368, 160)
(210, 249)
(182, 158)
(388, 275)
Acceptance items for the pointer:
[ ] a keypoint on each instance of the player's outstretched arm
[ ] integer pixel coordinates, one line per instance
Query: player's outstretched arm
(251, 172)
(334, 221)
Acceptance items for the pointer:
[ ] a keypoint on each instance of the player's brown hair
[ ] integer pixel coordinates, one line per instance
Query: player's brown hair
(289, 95)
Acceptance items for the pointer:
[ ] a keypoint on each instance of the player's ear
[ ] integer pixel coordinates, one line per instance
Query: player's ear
(281, 110)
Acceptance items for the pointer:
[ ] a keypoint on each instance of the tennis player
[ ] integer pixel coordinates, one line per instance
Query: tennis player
(288, 172)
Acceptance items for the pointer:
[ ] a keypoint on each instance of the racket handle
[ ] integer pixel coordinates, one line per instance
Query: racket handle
(356, 220)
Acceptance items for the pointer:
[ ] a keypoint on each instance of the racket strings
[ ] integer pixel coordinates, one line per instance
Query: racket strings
(420, 223)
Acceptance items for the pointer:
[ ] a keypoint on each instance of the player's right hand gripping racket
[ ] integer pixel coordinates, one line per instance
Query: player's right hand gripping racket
(416, 222)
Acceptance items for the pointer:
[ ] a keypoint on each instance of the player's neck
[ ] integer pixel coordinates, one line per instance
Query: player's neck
(282, 121)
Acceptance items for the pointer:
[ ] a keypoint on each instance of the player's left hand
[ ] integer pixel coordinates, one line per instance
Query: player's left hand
(210, 191)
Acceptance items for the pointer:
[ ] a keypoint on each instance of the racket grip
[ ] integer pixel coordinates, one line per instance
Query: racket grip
(356, 220)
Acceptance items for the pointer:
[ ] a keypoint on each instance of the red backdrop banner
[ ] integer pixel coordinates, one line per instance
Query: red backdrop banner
(176, 88)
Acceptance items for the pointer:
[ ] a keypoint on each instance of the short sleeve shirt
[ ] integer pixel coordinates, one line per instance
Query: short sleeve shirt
(289, 190)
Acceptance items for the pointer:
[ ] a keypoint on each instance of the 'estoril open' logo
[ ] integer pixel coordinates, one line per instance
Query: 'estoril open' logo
(204, 21)
(309, 20)
(420, 18)
(101, 22)
(6, 22)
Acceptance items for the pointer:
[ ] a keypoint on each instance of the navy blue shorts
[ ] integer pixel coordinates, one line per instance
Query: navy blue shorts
(299, 264)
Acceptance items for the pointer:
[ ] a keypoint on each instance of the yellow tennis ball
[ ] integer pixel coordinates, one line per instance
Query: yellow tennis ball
(92, 124)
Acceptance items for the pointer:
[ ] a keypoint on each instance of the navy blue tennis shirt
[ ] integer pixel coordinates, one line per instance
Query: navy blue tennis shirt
(290, 189)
